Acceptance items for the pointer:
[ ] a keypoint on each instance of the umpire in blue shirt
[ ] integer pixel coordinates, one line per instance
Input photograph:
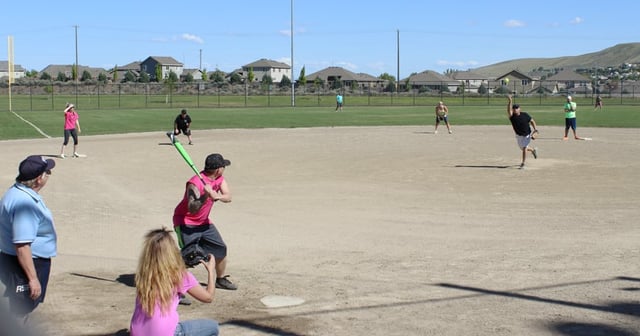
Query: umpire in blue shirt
(27, 238)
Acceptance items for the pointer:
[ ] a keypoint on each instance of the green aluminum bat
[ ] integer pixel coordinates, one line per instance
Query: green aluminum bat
(185, 155)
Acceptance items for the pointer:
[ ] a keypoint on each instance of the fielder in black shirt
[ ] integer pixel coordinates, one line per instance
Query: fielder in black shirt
(182, 124)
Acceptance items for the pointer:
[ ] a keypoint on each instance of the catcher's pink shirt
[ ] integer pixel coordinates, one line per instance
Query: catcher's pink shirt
(181, 214)
(161, 324)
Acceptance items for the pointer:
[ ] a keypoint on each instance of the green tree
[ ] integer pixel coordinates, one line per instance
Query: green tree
(86, 75)
(144, 77)
(32, 74)
(158, 73)
(172, 77)
(285, 82)
(318, 82)
(45, 76)
(115, 74)
(386, 76)
(391, 85)
(74, 72)
(102, 77)
(266, 79)
(251, 76)
(302, 79)
(482, 89)
(129, 77)
(188, 78)
(61, 77)
(204, 75)
(235, 78)
(218, 77)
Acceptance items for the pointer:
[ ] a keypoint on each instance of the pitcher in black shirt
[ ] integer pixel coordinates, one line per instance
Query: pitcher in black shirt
(520, 122)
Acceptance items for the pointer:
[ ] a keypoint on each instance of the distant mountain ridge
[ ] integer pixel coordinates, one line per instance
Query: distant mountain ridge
(613, 56)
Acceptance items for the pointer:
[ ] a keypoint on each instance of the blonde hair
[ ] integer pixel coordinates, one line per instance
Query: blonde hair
(160, 271)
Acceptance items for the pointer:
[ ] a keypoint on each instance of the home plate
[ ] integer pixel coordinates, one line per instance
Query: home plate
(277, 301)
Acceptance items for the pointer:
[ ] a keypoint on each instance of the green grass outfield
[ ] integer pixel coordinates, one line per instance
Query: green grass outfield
(96, 121)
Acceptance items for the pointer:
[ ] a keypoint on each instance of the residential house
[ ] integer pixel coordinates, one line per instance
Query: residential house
(119, 72)
(166, 64)
(18, 71)
(515, 81)
(67, 70)
(429, 80)
(569, 81)
(195, 73)
(470, 80)
(264, 67)
(334, 75)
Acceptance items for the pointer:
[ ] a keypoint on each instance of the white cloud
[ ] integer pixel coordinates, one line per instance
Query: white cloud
(285, 32)
(458, 64)
(577, 20)
(193, 38)
(514, 23)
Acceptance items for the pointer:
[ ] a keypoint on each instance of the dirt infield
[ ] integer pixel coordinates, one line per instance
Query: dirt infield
(381, 230)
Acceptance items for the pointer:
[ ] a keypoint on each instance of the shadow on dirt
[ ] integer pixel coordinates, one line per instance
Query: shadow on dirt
(572, 328)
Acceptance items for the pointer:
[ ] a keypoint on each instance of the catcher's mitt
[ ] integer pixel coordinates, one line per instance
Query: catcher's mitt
(535, 134)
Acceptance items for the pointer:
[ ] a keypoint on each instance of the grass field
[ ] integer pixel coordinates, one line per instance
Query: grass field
(115, 121)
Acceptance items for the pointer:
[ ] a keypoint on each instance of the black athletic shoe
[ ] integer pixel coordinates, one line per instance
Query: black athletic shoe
(224, 283)
(184, 300)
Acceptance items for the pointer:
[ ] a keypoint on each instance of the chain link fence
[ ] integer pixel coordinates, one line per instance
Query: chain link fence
(52, 96)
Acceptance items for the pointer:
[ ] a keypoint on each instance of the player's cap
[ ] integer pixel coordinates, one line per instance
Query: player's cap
(569, 97)
(184, 111)
(34, 166)
(215, 161)
(515, 106)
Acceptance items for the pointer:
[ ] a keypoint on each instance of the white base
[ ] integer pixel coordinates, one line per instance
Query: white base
(276, 301)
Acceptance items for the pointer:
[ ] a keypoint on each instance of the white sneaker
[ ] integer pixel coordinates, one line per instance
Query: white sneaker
(435, 132)
(450, 131)
(62, 156)
(76, 155)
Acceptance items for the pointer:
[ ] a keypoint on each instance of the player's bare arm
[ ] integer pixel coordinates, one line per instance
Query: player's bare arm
(509, 104)
(196, 201)
(224, 195)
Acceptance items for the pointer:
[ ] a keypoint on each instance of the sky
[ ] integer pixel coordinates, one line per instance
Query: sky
(397, 37)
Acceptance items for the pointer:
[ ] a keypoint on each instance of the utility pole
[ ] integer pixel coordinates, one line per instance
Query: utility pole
(76, 66)
(200, 68)
(398, 61)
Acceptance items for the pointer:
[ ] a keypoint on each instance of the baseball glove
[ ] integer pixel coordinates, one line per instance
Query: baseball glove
(535, 134)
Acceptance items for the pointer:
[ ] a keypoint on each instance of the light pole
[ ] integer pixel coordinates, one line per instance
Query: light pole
(293, 81)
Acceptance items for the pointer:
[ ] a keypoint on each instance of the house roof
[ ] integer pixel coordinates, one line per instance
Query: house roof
(54, 69)
(164, 60)
(265, 63)
(335, 72)
(4, 67)
(467, 75)
(428, 76)
(133, 66)
(514, 74)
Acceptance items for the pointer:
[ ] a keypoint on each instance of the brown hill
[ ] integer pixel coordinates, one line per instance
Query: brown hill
(610, 57)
